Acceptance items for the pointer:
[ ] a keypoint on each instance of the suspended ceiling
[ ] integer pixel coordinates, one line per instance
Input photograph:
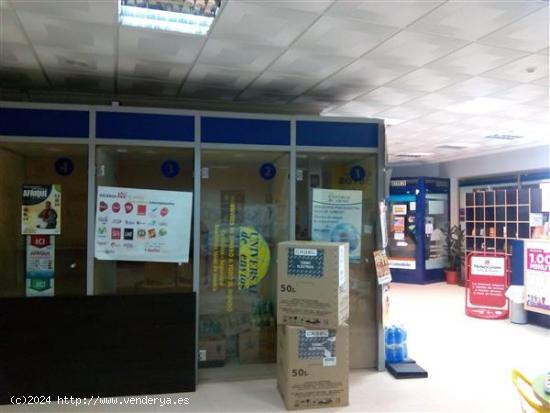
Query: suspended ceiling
(443, 74)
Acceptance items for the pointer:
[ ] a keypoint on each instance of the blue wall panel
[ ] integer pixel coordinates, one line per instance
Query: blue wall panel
(44, 123)
(342, 134)
(245, 131)
(145, 126)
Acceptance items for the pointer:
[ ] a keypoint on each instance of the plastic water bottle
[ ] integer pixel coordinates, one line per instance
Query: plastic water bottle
(400, 344)
(390, 339)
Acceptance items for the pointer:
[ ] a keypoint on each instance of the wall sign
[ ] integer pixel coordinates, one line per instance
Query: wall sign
(268, 171)
(40, 264)
(143, 225)
(357, 173)
(170, 168)
(337, 217)
(486, 286)
(64, 166)
(537, 275)
(41, 210)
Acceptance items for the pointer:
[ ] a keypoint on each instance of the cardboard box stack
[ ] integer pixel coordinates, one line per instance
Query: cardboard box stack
(312, 335)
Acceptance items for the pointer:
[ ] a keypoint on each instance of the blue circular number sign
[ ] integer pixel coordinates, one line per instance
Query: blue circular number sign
(357, 173)
(268, 171)
(64, 166)
(170, 168)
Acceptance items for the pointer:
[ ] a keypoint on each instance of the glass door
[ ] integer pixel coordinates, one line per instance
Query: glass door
(44, 198)
(336, 201)
(138, 233)
(244, 214)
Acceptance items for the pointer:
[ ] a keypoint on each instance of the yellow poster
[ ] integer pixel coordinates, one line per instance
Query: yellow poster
(254, 257)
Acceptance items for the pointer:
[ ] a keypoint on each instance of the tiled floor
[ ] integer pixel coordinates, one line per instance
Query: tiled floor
(468, 361)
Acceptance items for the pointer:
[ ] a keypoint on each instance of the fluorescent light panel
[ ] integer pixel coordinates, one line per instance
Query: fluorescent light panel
(165, 20)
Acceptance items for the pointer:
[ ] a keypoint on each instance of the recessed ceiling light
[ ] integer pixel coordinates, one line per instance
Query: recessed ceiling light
(184, 16)
(122, 150)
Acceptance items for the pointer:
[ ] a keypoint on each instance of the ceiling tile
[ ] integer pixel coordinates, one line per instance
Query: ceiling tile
(17, 55)
(343, 37)
(469, 20)
(356, 108)
(435, 101)
(477, 87)
(77, 36)
(81, 82)
(255, 22)
(59, 59)
(390, 96)
(428, 80)
(444, 116)
(262, 97)
(384, 13)
(372, 72)
(77, 10)
(238, 55)
(152, 70)
(158, 45)
(207, 92)
(338, 88)
(10, 29)
(529, 34)
(311, 6)
(15, 78)
(523, 93)
(475, 59)
(220, 77)
(403, 112)
(280, 84)
(414, 49)
(524, 70)
(146, 87)
(304, 62)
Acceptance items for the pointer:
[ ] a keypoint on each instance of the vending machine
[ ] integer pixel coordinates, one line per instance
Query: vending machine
(418, 217)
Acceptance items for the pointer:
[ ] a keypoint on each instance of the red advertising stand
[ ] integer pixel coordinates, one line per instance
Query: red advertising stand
(487, 280)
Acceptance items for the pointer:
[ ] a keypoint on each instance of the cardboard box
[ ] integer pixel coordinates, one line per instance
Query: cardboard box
(313, 367)
(212, 352)
(258, 345)
(313, 284)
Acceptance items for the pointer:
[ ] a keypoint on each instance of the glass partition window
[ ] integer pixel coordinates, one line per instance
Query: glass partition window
(244, 214)
(336, 201)
(137, 225)
(436, 223)
(43, 193)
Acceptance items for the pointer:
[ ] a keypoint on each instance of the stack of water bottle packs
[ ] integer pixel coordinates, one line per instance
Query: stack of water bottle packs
(312, 334)
(396, 344)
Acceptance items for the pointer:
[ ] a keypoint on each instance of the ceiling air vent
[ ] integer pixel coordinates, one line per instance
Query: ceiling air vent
(503, 137)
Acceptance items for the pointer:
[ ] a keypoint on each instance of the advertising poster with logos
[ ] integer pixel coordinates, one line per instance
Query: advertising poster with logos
(383, 272)
(486, 287)
(336, 217)
(537, 276)
(143, 225)
(40, 265)
(41, 210)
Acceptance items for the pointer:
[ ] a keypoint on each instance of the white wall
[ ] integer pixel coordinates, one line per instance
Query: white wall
(527, 159)
(509, 162)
